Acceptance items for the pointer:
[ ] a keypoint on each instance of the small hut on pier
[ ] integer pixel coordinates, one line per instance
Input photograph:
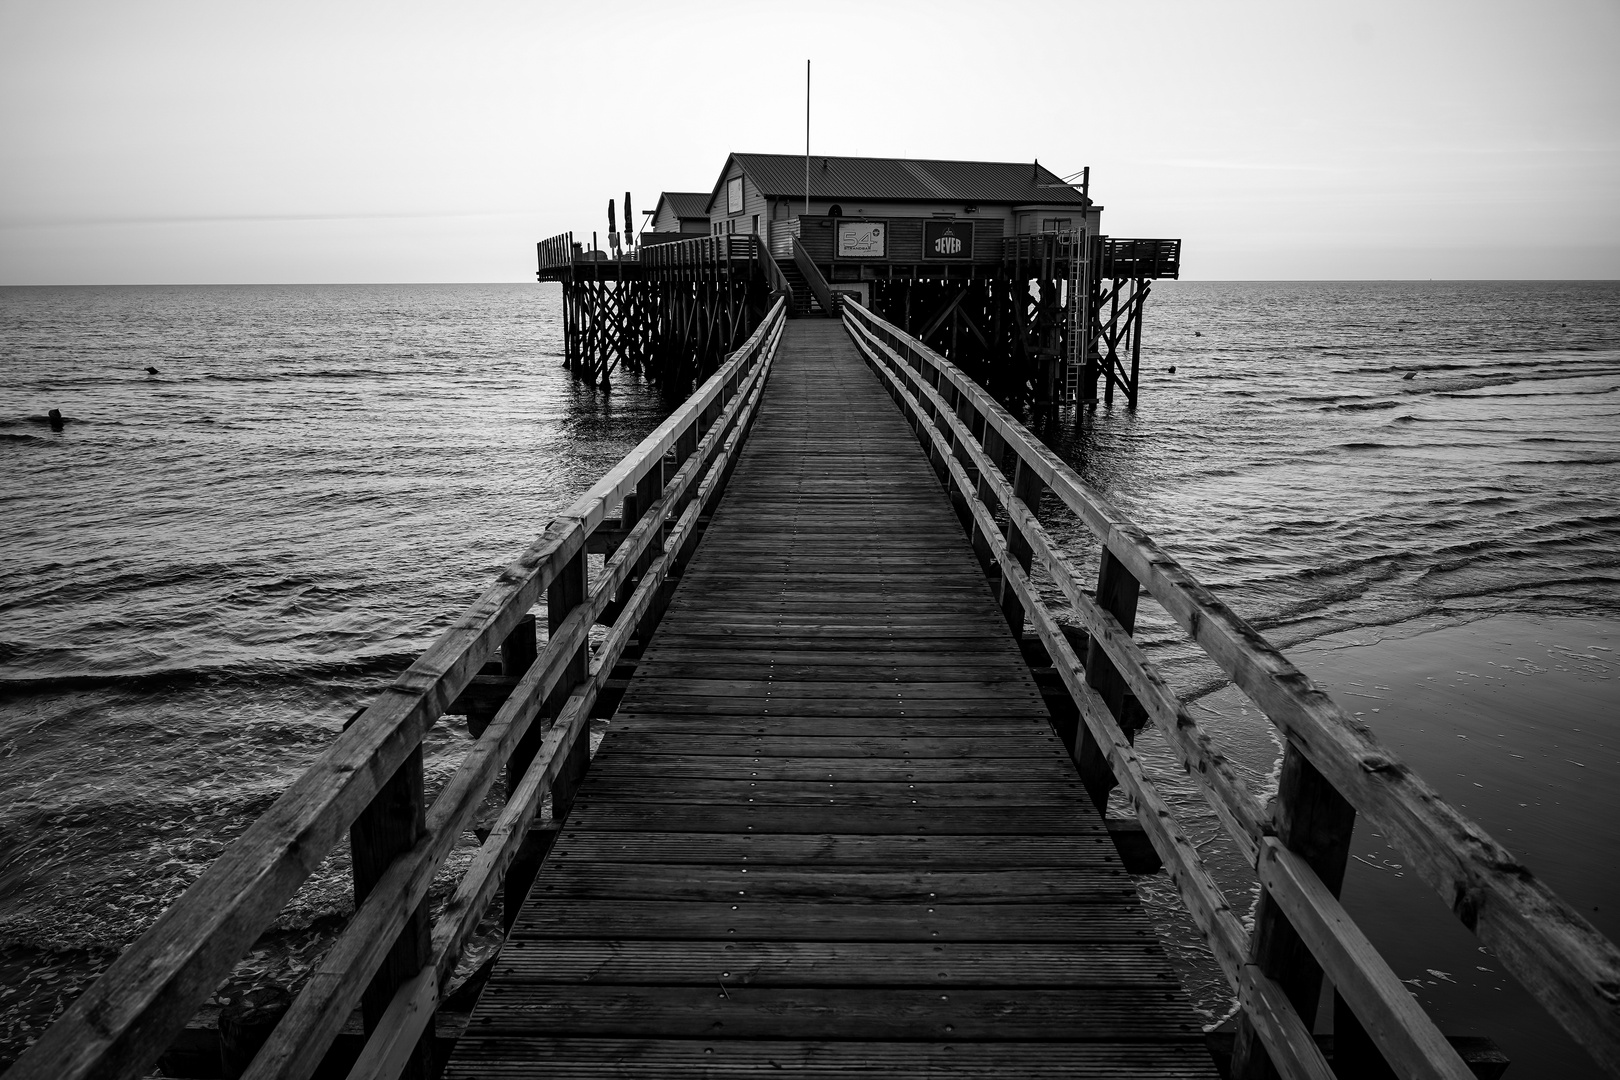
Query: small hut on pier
(1000, 266)
(678, 216)
(864, 220)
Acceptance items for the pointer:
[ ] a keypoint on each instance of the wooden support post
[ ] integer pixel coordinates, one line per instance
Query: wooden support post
(1111, 361)
(1138, 303)
(520, 649)
(629, 515)
(1027, 487)
(648, 491)
(1117, 594)
(518, 652)
(387, 828)
(567, 591)
(1314, 821)
(995, 448)
(1354, 1052)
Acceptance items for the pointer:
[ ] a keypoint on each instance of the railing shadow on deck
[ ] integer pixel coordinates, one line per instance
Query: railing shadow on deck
(368, 785)
(1333, 767)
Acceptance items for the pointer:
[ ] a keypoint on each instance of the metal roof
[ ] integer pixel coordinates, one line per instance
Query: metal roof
(896, 179)
(686, 204)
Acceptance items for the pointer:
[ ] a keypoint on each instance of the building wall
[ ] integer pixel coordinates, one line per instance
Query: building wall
(905, 239)
(755, 210)
(870, 209)
(1056, 218)
(665, 221)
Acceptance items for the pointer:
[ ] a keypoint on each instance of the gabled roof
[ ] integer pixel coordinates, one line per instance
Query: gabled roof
(899, 179)
(685, 204)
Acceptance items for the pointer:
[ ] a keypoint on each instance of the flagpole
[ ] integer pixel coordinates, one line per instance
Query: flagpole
(807, 138)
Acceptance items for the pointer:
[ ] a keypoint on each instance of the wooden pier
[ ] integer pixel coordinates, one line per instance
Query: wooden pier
(862, 716)
(831, 828)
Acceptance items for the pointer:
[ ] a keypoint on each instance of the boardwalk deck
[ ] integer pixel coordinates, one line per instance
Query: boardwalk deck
(830, 831)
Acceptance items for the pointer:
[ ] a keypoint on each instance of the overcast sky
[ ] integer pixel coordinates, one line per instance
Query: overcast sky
(341, 141)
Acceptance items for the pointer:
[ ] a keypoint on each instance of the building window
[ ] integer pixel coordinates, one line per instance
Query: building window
(753, 226)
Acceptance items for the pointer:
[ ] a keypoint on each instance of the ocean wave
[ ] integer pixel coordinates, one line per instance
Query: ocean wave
(286, 376)
(146, 680)
(1363, 406)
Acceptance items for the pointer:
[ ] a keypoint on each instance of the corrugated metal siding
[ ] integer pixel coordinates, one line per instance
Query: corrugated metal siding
(688, 204)
(817, 239)
(909, 180)
(676, 207)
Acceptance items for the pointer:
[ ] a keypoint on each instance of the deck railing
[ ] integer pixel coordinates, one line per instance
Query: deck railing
(1333, 767)
(390, 956)
(555, 252)
(1048, 255)
(701, 252)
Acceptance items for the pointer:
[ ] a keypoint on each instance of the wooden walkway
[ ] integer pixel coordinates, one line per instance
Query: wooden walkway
(830, 831)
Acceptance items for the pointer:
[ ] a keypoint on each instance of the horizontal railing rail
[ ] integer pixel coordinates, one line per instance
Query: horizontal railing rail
(364, 784)
(1571, 969)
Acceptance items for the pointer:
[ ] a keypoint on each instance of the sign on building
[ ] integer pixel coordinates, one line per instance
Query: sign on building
(734, 199)
(947, 239)
(862, 240)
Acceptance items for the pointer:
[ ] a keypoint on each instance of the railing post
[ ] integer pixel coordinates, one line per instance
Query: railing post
(1117, 594)
(1314, 821)
(648, 491)
(1027, 488)
(387, 828)
(995, 448)
(567, 591)
(966, 413)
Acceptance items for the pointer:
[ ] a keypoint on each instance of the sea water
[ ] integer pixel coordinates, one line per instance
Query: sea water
(211, 566)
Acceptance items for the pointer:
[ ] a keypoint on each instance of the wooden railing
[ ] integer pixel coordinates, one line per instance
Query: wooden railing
(812, 276)
(391, 958)
(779, 282)
(1048, 254)
(555, 252)
(701, 253)
(1333, 768)
(1139, 258)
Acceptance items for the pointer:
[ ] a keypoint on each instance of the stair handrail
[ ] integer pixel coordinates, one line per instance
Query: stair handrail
(773, 274)
(812, 276)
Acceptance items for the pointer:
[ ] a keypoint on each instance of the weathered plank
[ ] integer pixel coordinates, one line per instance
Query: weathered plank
(830, 811)
(1093, 918)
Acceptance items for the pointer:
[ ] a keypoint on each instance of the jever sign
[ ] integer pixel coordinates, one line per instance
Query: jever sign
(947, 239)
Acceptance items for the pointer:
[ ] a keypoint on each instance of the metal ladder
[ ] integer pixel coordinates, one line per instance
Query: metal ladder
(1078, 310)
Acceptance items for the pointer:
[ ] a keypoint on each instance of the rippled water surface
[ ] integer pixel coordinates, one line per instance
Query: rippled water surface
(207, 570)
